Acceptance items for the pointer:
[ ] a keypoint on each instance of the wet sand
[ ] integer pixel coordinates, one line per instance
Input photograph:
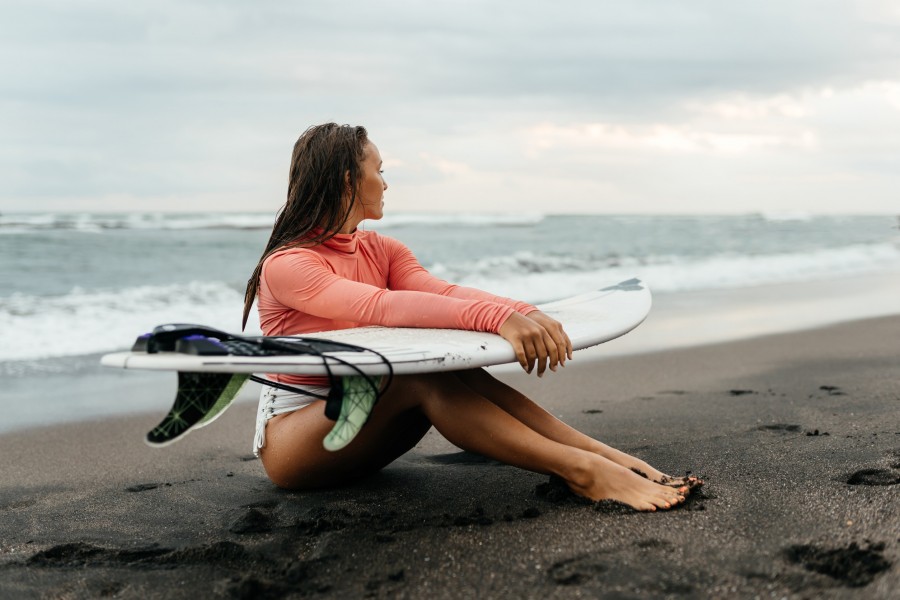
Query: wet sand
(797, 436)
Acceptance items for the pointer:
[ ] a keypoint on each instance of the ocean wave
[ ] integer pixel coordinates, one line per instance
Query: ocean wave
(540, 278)
(780, 216)
(460, 219)
(96, 222)
(84, 322)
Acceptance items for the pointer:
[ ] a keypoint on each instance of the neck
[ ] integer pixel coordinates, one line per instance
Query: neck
(353, 220)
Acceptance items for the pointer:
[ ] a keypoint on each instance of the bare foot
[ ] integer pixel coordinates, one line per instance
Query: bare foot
(688, 480)
(610, 481)
(645, 470)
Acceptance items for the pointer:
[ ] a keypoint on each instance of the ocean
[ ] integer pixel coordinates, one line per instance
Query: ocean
(77, 285)
(88, 283)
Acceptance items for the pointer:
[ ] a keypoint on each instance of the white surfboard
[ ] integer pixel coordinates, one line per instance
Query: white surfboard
(589, 319)
(208, 384)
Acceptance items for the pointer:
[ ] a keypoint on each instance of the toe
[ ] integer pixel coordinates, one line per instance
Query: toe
(663, 503)
(673, 499)
(675, 482)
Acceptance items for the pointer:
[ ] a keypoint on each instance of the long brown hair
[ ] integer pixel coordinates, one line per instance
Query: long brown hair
(326, 161)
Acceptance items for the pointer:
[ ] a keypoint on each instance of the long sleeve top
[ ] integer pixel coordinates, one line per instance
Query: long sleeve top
(363, 278)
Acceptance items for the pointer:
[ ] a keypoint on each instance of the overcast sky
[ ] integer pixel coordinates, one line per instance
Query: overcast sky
(647, 106)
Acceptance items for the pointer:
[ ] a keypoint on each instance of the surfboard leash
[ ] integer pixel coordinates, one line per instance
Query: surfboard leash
(202, 397)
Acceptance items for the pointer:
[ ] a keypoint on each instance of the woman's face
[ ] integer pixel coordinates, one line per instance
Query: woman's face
(370, 195)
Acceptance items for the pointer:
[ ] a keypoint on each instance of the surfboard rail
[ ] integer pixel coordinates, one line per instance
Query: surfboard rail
(590, 319)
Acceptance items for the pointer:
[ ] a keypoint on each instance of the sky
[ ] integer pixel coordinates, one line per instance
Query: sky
(594, 106)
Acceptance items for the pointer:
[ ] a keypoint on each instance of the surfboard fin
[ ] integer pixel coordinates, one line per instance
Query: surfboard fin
(359, 395)
(201, 398)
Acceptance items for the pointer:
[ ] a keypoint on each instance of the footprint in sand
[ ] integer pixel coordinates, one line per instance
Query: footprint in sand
(143, 487)
(873, 477)
(575, 571)
(780, 428)
(851, 565)
(252, 518)
(80, 554)
(832, 390)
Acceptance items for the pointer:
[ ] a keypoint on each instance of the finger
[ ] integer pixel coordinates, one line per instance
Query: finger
(558, 338)
(521, 355)
(531, 354)
(541, 354)
(568, 342)
(553, 354)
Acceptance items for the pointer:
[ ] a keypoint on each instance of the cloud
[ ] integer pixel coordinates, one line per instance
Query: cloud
(199, 99)
(658, 137)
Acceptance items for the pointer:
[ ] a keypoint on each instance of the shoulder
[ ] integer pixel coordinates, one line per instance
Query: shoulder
(373, 239)
(381, 245)
(294, 253)
(293, 258)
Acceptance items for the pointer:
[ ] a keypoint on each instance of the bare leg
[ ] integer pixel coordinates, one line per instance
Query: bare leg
(541, 421)
(294, 456)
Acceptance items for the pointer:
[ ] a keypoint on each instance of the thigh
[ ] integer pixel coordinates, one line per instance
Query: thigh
(295, 459)
(482, 382)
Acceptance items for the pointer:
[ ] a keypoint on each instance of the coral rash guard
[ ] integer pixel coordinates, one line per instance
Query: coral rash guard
(363, 278)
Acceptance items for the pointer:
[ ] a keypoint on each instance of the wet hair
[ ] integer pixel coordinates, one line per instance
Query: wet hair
(325, 167)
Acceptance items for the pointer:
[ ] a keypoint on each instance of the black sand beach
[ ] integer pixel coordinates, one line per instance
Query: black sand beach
(797, 436)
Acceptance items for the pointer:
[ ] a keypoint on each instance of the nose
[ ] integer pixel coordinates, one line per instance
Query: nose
(384, 183)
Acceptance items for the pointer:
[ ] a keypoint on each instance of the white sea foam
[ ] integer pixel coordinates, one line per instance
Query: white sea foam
(99, 321)
(85, 322)
(542, 278)
(96, 222)
(777, 216)
(461, 219)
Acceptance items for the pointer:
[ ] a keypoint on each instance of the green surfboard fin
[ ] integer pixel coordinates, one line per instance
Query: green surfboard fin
(359, 398)
(201, 398)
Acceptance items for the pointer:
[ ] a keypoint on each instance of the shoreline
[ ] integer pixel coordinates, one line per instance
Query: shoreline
(78, 389)
(797, 436)
(150, 393)
(701, 318)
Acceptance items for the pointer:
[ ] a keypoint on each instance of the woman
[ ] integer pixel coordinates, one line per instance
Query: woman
(319, 273)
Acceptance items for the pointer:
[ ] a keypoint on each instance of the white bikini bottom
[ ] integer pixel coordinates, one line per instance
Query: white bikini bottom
(274, 402)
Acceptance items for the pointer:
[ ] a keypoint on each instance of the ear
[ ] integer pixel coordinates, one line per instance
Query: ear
(348, 190)
(347, 186)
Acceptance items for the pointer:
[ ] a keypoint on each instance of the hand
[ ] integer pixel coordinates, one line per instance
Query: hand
(532, 343)
(556, 331)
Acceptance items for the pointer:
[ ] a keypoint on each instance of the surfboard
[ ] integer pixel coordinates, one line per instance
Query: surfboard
(589, 319)
(208, 383)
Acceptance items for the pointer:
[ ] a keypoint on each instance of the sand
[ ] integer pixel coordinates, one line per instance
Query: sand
(797, 436)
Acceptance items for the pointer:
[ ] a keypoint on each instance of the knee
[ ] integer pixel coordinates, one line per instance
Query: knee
(302, 478)
(423, 383)
(276, 471)
(476, 376)
(282, 479)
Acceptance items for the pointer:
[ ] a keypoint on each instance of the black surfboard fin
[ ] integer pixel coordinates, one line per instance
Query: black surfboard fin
(200, 399)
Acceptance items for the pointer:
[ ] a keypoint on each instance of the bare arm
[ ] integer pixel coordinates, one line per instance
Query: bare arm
(537, 339)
